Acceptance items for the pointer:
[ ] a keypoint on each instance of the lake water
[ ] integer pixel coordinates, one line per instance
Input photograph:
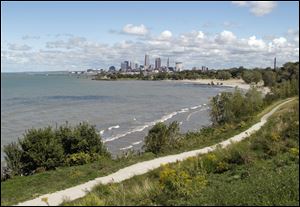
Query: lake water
(123, 111)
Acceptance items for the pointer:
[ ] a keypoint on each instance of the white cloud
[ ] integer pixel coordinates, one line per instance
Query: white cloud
(253, 42)
(200, 35)
(280, 41)
(225, 37)
(72, 43)
(194, 48)
(165, 35)
(135, 30)
(258, 8)
(240, 3)
(27, 37)
(19, 47)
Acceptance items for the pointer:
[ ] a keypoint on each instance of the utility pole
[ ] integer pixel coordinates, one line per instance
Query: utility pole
(275, 63)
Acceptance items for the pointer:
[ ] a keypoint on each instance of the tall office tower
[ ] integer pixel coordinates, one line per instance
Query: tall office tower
(123, 66)
(136, 66)
(168, 63)
(127, 64)
(178, 66)
(132, 65)
(157, 63)
(147, 63)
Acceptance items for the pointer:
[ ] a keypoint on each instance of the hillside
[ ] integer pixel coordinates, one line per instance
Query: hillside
(262, 170)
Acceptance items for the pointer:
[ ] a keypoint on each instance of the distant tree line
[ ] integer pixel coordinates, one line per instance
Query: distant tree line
(268, 75)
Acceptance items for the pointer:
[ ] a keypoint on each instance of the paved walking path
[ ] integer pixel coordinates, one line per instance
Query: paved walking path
(79, 191)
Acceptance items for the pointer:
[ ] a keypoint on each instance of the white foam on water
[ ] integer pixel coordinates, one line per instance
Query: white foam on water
(189, 116)
(101, 132)
(113, 127)
(125, 148)
(148, 124)
(195, 107)
(136, 143)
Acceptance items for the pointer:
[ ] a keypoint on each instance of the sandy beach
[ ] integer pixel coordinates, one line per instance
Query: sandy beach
(230, 83)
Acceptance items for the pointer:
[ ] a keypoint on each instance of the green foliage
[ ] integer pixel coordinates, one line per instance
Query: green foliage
(80, 158)
(223, 75)
(87, 140)
(229, 107)
(162, 137)
(13, 159)
(177, 184)
(40, 148)
(251, 76)
(47, 149)
(269, 78)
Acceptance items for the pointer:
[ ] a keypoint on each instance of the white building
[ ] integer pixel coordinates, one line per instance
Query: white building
(178, 66)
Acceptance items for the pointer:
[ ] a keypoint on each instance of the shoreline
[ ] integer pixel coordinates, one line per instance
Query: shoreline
(79, 191)
(239, 83)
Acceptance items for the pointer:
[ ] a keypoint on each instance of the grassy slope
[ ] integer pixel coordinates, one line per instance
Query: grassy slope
(268, 175)
(24, 188)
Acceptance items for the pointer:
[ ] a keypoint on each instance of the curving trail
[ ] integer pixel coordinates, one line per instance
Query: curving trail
(79, 191)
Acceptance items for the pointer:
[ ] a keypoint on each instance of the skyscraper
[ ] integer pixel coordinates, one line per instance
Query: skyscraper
(124, 65)
(157, 63)
(168, 63)
(178, 66)
(147, 62)
(132, 65)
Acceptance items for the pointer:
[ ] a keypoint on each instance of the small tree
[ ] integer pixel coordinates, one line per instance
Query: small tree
(41, 148)
(12, 157)
(251, 76)
(269, 78)
(223, 75)
(156, 138)
(162, 137)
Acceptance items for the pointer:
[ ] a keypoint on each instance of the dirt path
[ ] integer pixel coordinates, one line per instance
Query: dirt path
(79, 191)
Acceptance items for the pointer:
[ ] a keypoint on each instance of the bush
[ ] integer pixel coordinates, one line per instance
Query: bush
(41, 148)
(46, 149)
(251, 76)
(80, 158)
(162, 137)
(269, 78)
(223, 75)
(13, 159)
(178, 185)
(82, 138)
(234, 107)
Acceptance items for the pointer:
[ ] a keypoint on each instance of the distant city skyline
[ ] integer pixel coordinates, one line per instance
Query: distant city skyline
(56, 36)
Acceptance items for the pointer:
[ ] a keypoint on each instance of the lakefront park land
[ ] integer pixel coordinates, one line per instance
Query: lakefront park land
(150, 103)
(67, 156)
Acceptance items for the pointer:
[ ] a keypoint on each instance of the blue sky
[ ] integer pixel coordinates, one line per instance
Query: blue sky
(103, 23)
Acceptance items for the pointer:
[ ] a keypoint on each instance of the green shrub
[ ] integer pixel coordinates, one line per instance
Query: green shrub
(41, 148)
(78, 159)
(46, 149)
(234, 107)
(162, 137)
(251, 76)
(81, 138)
(13, 154)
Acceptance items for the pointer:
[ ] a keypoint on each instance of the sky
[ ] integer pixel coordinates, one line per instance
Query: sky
(52, 36)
